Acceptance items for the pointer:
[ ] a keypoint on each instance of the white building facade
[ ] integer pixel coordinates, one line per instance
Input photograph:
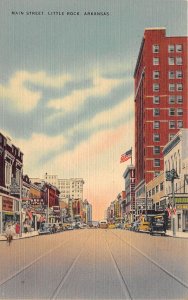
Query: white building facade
(69, 188)
(176, 157)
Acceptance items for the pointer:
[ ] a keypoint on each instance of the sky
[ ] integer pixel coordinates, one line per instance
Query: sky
(67, 88)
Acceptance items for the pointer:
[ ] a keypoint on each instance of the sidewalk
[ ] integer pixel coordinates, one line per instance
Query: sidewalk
(179, 234)
(24, 235)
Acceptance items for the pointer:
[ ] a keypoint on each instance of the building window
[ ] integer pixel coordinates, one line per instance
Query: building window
(179, 48)
(8, 173)
(156, 125)
(156, 137)
(171, 61)
(179, 111)
(157, 188)
(156, 150)
(161, 186)
(155, 61)
(171, 111)
(180, 124)
(155, 87)
(156, 112)
(171, 87)
(179, 99)
(179, 74)
(171, 75)
(179, 87)
(171, 99)
(171, 48)
(171, 135)
(153, 191)
(179, 60)
(155, 48)
(172, 125)
(156, 162)
(155, 74)
(156, 99)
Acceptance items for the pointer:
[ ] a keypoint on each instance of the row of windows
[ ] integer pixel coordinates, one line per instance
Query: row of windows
(156, 137)
(171, 112)
(178, 74)
(172, 99)
(171, 48)
(171, 61)
(156, 189)
(172, 124)
(172, 87)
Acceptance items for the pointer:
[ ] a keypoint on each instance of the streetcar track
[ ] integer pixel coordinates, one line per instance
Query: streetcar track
(119, 273)
(184, 284)
(67, 273)
(12, 276)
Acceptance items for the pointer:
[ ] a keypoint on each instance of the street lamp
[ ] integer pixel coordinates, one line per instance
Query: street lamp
(170, 176)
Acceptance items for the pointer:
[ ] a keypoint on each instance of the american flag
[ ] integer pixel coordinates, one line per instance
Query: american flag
(125, 156)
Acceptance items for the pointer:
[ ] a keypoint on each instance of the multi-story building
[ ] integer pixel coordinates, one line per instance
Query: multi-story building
(161, 104)
(129, 177)
(176, 158)
(69, 188)
(11, 166)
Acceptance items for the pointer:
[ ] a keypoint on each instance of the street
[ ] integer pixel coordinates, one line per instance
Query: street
(94, 264)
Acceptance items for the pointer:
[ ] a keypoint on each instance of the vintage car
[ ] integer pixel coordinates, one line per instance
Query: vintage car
(144, 226)
(157, 225)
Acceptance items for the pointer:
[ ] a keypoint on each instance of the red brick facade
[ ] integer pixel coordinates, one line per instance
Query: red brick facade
(161, 103)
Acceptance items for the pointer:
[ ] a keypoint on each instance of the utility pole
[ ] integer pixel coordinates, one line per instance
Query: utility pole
(170, 176)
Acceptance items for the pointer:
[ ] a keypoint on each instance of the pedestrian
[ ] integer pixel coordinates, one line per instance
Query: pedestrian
(17, 228)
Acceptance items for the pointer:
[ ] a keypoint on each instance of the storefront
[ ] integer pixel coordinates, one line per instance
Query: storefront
(182, 213)
(9, 211)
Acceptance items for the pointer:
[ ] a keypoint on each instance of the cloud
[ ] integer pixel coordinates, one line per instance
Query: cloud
(21, 97)
(101, 87)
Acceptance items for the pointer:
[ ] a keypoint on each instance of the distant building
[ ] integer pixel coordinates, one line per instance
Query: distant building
(69, 188)
(129, 177)
(161, 106)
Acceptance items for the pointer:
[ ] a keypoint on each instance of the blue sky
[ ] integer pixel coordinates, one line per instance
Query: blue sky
(66, 84)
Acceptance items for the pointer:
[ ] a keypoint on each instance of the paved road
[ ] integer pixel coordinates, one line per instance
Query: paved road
(94, 264)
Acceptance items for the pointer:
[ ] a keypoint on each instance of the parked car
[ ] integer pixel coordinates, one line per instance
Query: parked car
(44, 229)
(111, 226)
(144, 226)
(158, 225)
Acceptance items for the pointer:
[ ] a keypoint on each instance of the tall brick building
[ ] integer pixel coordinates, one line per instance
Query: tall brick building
(161, 103)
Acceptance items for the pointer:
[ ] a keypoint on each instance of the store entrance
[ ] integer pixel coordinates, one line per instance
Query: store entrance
(186, 220)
